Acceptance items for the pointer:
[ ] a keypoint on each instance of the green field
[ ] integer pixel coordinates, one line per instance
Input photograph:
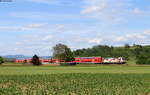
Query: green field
(75, 80)
(30, 70)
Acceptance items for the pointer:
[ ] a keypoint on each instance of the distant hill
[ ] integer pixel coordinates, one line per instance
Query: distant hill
(17, 57)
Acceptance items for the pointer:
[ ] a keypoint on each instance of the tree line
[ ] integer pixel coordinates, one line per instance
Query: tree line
(138, 52)
(63, 52)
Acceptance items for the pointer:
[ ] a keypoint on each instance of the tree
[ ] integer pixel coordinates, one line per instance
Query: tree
(143, 57)
(127, 46)
(137, 46)
(63, 52)
(1, 60)
(35, 60)
(25, 61)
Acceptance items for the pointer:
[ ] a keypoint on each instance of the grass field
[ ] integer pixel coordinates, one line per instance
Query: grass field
(30, 70)
(75, 80)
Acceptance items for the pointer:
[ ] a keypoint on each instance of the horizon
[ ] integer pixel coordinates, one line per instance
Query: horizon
(31, 27)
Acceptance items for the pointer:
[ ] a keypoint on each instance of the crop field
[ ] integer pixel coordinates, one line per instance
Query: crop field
(75, 80)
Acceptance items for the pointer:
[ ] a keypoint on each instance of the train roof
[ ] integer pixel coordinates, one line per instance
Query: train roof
(88, 57)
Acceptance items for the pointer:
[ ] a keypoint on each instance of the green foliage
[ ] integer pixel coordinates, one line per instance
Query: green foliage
(35, 60)
(143, 56)
(103, 51)
(1, 60)
(100, 50)
(63, 52)
(148, 61)
(141, 53)
(127, 46)
(75, 84)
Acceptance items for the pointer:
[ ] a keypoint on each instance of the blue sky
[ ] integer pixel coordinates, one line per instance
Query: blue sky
(34, 26)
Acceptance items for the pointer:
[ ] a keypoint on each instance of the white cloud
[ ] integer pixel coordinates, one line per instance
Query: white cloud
(8, 28)
(36, 25)
(60, 27)
(147, 32)
(47, 38)
(111, 11)
(132, 37)
(45, 16)
(106, 11)
(95, 41)
(120, 39)
(94, 6)
(53, 2)
(135, 36)
(137, 11)
(23, 28)
(42, 1)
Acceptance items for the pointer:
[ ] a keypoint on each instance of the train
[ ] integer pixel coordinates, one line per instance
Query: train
(79, 60)
(100, 60)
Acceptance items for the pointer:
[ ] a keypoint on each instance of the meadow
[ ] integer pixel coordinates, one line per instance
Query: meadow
(75, 80)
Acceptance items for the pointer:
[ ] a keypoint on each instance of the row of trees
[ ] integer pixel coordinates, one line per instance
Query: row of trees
(104, 51)
(63, 52)
(138, 52)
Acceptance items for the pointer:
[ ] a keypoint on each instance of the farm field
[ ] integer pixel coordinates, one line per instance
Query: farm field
(75, 80)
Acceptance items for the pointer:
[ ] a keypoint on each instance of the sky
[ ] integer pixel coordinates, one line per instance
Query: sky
(34, 26)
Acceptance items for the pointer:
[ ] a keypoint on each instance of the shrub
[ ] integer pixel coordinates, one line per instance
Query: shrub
(148, 61)
(1, 60)
(143, 59)
(35, 60)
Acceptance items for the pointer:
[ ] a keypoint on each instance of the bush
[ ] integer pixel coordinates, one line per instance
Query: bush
(143, 59)
(1, 60)
(148, 61)
(35, 60)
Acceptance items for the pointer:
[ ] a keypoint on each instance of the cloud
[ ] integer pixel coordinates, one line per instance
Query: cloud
(111, 11)
(120, 39)
(55, 2)
(47, 38)
(94, 6)
(46, 16)
(95, 41)
(147, 32)
(60, 27)
(136, 11)
(135, 36)
(36, 25)
(23, 28)
(43, 1)
(105, 11)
